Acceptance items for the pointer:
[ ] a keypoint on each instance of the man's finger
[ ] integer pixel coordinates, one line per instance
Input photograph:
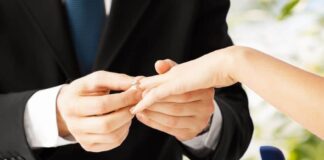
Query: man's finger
(158, 126)
(163, 66)
(179, 122)
(113, 137)
(101, 81)
(106, 123)
(99, 105)
(176, 109)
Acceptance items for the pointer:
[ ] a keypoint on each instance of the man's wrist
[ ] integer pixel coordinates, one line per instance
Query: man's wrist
(40, 119)
(206, 129)
(206, 142)
(61, 125)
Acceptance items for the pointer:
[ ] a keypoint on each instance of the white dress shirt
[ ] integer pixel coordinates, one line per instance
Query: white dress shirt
(41, 124)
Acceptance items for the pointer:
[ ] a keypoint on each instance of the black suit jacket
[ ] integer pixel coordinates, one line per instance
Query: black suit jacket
(36, 53)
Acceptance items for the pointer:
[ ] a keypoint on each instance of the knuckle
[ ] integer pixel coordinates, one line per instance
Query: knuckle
(182, 137)
(97, 76)
(120, 140)
(99, 73)
(66, 111)
(201, 124)
(96, 81)
(74, 84)
(74, 129)
(205, 122)
(211, 92)
(88, 147)
(123, 76)
(117, 145)
(189, 134)
(210, 108)
(115, 137)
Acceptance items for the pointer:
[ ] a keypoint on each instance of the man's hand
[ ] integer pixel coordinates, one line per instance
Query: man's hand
(183, 116)
(99, 121)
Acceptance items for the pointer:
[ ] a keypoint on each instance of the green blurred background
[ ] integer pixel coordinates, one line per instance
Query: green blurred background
(292, 30)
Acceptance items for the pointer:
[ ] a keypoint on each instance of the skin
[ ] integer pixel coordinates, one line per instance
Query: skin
(97, 120)
(293, 91)
(100, 121)
(183, 116)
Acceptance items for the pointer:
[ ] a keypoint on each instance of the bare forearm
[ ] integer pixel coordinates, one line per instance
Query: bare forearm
(295, 92)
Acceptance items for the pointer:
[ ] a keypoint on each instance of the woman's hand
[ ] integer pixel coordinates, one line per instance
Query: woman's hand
(295, 92)
(211, 70)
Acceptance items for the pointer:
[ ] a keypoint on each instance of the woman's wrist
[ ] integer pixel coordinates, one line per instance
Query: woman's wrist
(222, 67)
(236, 58)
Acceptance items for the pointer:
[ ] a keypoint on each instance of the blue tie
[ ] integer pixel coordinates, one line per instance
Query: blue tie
(86, 19)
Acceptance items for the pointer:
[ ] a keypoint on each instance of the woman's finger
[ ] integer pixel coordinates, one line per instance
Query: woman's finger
(190, 96)
(154, 95)
(151, 82)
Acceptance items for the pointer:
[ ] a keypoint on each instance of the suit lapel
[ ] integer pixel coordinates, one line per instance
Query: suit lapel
(49, 16)
(122, 20)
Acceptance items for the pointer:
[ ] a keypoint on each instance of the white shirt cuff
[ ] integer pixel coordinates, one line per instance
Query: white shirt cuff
(207, 142)
(40, 120)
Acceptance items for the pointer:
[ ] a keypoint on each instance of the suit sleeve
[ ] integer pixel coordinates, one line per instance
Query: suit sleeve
(210, 33)
(13, 143)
